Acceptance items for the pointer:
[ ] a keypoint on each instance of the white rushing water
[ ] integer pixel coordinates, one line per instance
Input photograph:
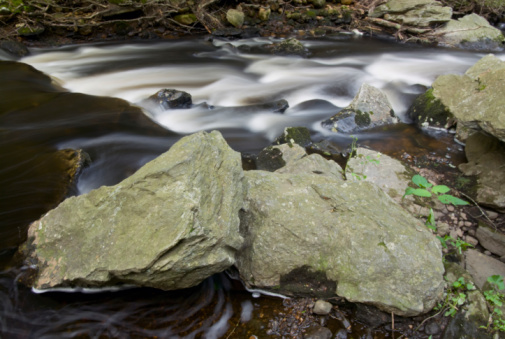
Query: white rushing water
(225, 74)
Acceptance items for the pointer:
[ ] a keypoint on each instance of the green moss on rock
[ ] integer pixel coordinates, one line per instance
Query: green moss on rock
(427, 110)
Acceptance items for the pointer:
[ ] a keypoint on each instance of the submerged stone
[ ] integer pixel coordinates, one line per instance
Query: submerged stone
(170, 225)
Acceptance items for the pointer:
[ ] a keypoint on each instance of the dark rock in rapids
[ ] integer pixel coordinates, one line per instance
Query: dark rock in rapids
(14, 48)
(295, 135)
(171, 99)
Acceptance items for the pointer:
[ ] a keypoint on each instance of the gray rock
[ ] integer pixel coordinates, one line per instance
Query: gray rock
(319, 235)
(322, 307)
(486, 160)
(419, 13)
(471, 31)
(313, 164)
(491, 240)
(369, 108)
(170, 225)
(473, 100)
(389, 174)
(481, 266)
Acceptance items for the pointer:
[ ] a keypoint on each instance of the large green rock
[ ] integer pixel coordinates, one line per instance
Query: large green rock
(420, 13)
(170, 225)
(310, 232)
(474, 100)
(471, 31)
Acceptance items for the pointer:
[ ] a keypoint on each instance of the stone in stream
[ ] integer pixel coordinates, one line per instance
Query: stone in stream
(471, 31)
(170, 225)
(369, 108)
(310, 232)
(171, 99)
(473, 101)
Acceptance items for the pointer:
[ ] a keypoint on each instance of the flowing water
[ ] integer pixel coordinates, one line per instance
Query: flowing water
(40, 116)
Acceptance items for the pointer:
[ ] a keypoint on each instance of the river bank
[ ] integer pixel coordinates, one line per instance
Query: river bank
(55, 23)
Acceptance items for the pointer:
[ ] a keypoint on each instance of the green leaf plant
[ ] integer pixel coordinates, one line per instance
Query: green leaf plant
(495, 300)
(425, 189)
(455, 297)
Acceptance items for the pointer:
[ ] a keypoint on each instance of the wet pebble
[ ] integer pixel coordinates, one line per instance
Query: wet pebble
(450, 208)
(468, 223)
(322, 307)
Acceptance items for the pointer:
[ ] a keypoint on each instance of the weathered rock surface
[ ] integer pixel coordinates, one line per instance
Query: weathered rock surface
(272, 158)
(420, 13)
(480, 266)
(389, 174)
(170, 225)
(369, 108)
(486, 160)
(491, 240)
(314, 233)
(473, 100)
(471, 31)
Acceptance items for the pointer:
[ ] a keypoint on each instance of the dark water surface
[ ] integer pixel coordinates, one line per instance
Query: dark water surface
(86, 105)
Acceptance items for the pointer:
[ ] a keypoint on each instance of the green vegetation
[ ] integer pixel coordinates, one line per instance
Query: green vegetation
(425, 190)
(455, 297)
(495, 302)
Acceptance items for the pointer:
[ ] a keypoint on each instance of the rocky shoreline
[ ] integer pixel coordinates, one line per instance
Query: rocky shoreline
(422, 21)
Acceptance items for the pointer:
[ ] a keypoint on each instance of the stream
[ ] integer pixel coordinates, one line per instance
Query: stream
(79, 108)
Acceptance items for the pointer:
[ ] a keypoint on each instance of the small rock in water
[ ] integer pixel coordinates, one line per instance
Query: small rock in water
(322, 307)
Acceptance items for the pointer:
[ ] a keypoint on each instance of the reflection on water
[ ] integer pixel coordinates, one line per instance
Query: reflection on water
(40, 116)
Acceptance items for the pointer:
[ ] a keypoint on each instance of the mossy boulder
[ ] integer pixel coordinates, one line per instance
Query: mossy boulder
(309, 232)
(170, 225)
(295, 135)
(472, 101)
(370, 108)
